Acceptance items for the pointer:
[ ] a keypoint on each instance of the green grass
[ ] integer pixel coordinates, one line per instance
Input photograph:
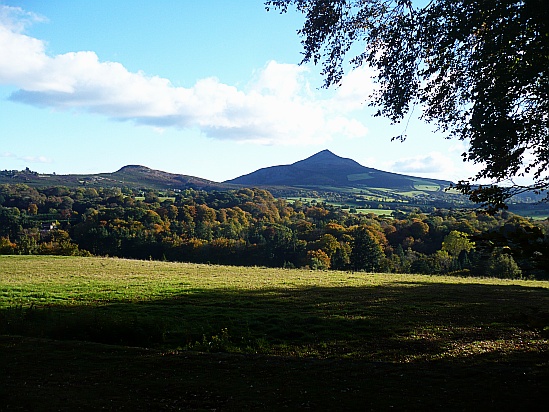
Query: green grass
(427, 187)
(359, 176)
(141, 335)
(379, 212)
(538, 217)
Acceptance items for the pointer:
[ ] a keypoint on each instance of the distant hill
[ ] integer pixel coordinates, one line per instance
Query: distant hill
(325, 169)
(134, 176)
(322, 171)
(141, 175)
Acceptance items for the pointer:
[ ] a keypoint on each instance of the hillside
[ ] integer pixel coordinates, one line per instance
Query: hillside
(326, 169)
(141, 175)
(134, 176)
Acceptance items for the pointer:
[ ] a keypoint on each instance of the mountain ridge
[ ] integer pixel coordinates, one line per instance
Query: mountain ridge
(135, 176)
(321, 170)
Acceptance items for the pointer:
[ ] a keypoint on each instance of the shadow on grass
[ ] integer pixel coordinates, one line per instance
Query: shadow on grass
(403, 322)
(46, 375)
(411, 346)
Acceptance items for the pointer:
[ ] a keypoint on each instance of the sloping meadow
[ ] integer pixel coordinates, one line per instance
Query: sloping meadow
(263, 314)
(261, 310)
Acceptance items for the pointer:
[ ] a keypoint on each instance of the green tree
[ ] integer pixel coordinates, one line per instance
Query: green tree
(455, 242)
(27, 245)
(366, 253)
(342, 257)
(9, 222)
(437, 263)
(479, 70)
(281, 245)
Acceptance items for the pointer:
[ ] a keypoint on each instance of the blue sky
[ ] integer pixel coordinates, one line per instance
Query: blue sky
(206, 88)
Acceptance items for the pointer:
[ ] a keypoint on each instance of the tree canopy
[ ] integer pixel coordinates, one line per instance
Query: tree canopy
(478, 69)
(251, 227)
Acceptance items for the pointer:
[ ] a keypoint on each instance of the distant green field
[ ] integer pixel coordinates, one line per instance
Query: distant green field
(411, 193)
(160, 198)
(537, 213)
(359, 176)
(427, 188)
(379, 212)
(142, 335)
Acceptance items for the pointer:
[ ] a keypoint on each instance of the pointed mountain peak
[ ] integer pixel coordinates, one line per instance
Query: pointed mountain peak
(324, 154)
(326, 158)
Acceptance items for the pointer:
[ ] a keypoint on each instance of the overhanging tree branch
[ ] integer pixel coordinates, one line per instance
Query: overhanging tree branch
(480, 71)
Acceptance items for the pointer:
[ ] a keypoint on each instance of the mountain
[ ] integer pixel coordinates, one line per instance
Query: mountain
(326, 169)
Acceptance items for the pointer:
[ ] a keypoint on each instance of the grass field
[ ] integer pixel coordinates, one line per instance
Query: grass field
(379, 212)
(95, 333)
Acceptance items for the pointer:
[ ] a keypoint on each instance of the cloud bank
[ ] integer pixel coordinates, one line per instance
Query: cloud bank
(437, 165)
(277, 107)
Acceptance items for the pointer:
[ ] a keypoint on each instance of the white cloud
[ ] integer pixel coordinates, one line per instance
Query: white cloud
(21, 58)
(36, 159)
(282, 80)
(16, 19)
(29, 159)
(278, 107)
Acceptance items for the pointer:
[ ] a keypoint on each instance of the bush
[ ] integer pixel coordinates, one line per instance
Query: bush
(6, 246)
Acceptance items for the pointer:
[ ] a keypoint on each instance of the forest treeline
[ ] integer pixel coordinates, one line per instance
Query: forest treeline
(251, 227)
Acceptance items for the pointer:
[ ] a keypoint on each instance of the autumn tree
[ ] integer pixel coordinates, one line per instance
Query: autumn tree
(6, 246)
(478, 70)
(318, 259)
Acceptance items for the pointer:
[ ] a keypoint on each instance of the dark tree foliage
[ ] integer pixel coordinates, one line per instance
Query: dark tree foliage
(478, 69)
(366, 252)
